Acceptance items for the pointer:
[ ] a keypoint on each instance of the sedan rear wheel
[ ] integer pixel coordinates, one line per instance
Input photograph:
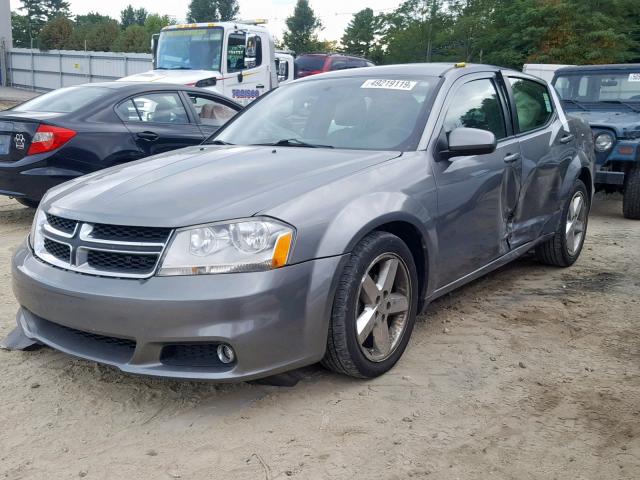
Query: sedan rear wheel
(374, 308)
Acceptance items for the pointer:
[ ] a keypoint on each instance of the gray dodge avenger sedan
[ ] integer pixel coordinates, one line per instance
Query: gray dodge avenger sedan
(314, 227)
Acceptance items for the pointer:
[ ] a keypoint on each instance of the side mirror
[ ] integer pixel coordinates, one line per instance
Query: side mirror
(470, 141)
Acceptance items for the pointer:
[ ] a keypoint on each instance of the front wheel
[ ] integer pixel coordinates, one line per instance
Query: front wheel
(631, 198)
(564, 248)
(374, 309)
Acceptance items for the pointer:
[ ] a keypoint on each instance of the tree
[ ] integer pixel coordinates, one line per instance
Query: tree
(300, 35)
(227, 10)
(101, 37)
(130, 16)
(360, 35)
(55, 35)
(134, 39)
(36, 14)
(202, 11)
(154, 23)
(56, 8)
(20, 30)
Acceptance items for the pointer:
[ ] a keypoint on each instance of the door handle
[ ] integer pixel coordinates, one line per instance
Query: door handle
(148, 136)
(512, 157)
(567, 138)
(260, 86)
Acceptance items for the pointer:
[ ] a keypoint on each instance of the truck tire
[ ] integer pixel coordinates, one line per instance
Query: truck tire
(378, 289)
(631, 199)
(564, 248)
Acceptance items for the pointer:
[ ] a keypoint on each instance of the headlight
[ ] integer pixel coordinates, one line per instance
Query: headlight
(35, 236)
(250, 245)
(604, 142)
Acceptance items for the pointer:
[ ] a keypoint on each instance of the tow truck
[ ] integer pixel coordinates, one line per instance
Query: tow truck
(235, 59)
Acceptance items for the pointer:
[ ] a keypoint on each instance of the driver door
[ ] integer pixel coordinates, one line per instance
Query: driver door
(245, 66)
(477, 194)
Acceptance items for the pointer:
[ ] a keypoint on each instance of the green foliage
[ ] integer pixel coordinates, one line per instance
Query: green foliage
(202, 11)
(20, 30)
(134, 39)
(55, 35)
(130, 16)
(360, 36)
(227, 10)
(154, 23)
(101, 37)
(56, 8)
(302, 26)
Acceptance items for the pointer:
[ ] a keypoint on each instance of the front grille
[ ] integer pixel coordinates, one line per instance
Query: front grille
(192, 355)
(101, 249)
(58, 250)
(130, 234)
(62, 224)
(121, 262)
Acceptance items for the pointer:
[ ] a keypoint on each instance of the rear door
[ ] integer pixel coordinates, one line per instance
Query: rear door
(211, 112)
(547, 149)
(160, 122)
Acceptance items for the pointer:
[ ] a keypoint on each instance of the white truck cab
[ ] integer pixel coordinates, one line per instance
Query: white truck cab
(237, 60)
(285, 63)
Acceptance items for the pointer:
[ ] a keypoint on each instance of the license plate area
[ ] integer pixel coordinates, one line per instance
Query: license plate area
(5, 143)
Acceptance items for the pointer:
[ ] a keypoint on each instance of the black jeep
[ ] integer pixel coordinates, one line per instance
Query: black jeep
(608, 97)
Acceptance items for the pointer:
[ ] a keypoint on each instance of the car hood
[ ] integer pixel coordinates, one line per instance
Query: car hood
(203, 184)
(182, 77)
(617, 120)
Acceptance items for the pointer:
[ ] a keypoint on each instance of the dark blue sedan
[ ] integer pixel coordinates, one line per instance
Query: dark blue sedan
(76, 130)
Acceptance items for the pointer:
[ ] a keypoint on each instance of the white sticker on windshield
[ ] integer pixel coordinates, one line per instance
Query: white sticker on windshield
(634, 77)
(390, 84)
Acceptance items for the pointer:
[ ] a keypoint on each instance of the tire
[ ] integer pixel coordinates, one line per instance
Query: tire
(631, 198)
(374, 256)
(28, 203)
(560, 251)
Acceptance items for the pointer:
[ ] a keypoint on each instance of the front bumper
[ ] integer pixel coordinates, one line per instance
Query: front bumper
(275, 321)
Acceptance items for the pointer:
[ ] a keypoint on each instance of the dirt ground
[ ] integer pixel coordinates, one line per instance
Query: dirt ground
(531, 372)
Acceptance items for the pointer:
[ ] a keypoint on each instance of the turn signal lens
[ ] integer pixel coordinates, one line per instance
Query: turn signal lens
(48, 138)
(281, 251)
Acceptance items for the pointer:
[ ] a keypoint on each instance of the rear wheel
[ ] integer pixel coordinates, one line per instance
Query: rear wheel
(631, 199)
(28, 203)
(374, 308)
(564, 248)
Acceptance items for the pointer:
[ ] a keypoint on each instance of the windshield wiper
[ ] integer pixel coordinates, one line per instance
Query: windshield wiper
(293, 142)
(574, 102)
(218, 142)
(620, 102)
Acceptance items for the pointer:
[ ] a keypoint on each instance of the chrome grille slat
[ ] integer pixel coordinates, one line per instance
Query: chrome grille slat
(95, 249)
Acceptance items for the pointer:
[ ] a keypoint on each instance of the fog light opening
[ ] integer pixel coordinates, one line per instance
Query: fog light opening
(226, 353)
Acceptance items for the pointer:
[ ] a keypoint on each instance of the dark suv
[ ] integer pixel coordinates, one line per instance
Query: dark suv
(314, 63)
(608, 97)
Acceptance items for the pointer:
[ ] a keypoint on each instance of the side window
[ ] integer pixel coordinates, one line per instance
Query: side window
(210, 111)
(236, 50)
(155, 108)
(534, 107)
(357, 63)
(338, 64)
(477, 105)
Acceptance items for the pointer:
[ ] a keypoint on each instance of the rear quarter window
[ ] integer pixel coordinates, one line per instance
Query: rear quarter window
(64, 100)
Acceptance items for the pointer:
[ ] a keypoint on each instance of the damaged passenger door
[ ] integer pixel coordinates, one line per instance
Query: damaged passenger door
(477, 194)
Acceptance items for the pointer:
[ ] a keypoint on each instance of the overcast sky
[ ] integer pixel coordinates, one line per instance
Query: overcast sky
(334, 14)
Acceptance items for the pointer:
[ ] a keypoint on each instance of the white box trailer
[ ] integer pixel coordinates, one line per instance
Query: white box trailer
(542, 70)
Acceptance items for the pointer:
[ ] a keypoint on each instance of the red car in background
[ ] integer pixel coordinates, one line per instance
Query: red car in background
(313, 63)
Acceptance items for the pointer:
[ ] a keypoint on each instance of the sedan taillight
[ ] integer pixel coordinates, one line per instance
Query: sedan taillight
(48, 138)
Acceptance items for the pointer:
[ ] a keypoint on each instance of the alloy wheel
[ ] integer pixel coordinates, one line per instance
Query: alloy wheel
(576, 223)
(384, 299)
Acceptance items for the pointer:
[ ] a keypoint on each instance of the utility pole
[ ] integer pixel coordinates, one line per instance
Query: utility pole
(6, 40)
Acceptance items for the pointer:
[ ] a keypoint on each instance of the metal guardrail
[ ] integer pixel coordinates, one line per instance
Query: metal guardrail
(43, 71)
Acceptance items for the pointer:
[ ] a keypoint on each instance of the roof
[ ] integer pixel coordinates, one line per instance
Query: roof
(240, 24)
(410, 69)
(600, 68)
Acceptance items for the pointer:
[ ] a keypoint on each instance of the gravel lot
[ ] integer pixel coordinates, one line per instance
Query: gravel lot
(532, 372)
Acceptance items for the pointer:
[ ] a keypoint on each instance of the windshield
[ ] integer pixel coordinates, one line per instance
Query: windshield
(352, 113)
(599, 86)
(190, 49)
(64, 100)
